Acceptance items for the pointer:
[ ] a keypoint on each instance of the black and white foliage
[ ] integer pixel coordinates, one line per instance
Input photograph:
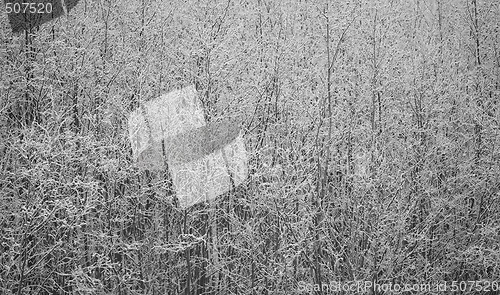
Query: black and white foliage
(371, 127)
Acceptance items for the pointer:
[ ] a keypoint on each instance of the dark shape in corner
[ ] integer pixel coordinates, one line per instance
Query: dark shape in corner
(70, 4)
(32, 14)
